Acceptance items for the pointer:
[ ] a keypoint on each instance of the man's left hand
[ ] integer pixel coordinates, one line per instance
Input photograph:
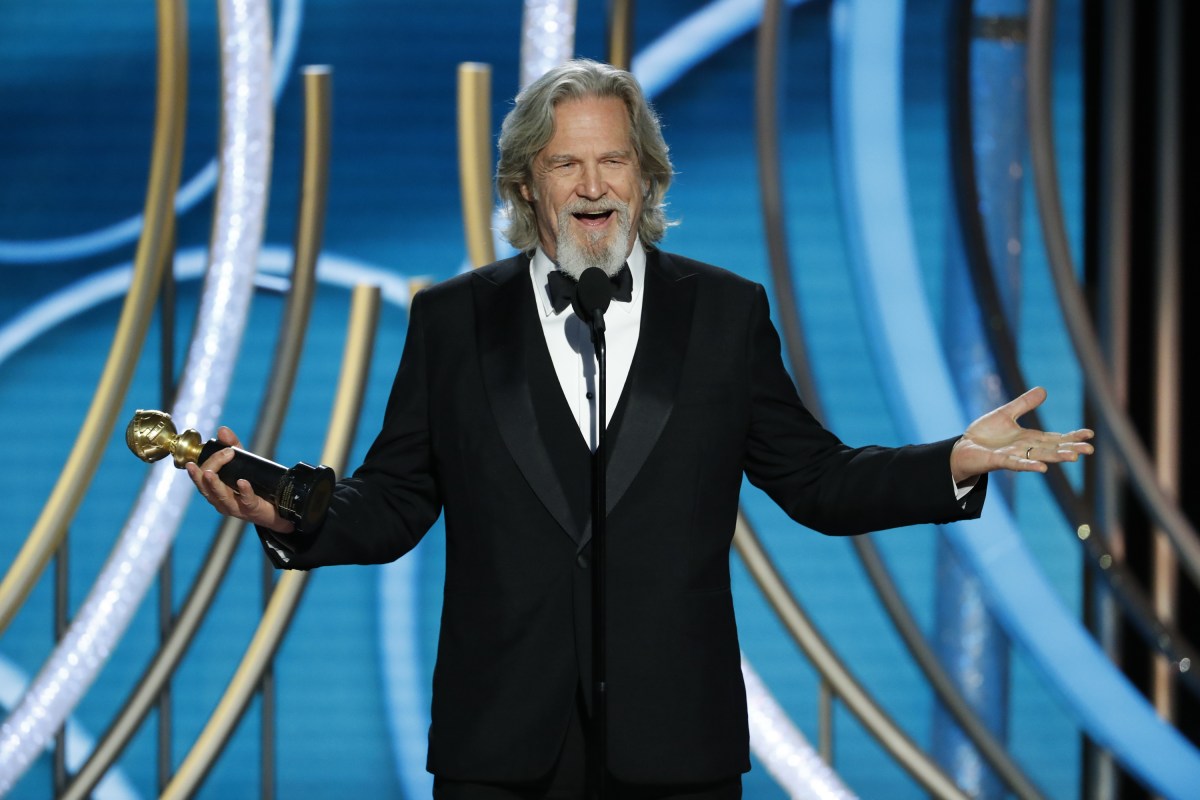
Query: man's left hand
(995, 441)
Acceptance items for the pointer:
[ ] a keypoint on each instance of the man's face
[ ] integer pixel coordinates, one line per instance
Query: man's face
(587, 186)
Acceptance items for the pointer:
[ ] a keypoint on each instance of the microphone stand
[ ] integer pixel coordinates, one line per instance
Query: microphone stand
(593, 293)
(599, 567)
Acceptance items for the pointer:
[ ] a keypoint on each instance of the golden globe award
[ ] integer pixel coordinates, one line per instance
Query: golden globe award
(300, 494)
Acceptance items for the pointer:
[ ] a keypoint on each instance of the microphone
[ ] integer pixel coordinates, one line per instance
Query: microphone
(593, 294)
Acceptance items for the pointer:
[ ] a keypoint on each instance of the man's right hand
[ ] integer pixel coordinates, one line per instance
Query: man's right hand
(242, 503)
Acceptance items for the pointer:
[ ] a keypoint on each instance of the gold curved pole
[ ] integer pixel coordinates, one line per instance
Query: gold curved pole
(309, 233)
(1168, 337)
(475, 159)
(620, 33)
(152, 258)
(911, 757)
(356, 359)
(1159, 504)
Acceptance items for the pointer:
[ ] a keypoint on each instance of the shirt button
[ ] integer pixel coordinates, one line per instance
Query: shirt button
(583, 561)
(590, 396)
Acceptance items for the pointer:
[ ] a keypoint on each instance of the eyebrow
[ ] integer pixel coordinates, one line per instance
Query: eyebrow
(561, 158)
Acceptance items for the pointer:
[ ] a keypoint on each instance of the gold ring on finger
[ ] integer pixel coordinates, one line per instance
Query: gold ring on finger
(1028, 450)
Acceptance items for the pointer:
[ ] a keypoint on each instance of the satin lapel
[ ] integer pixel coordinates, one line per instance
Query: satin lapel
(654, 375)
(506, 326)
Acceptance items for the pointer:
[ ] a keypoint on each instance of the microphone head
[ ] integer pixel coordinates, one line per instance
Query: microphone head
(594, 293)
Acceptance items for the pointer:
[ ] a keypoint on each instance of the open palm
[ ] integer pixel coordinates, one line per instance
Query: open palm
(997, 441)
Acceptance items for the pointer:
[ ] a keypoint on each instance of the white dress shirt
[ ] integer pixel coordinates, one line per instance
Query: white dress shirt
(570, 343)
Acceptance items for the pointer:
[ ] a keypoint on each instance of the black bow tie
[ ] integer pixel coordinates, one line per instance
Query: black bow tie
(561, 288)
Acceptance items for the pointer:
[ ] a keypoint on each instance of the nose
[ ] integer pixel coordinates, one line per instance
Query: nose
(591, 184)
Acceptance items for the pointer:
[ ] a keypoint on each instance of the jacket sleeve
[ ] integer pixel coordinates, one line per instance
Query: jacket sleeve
(825, 484)
(391, 501)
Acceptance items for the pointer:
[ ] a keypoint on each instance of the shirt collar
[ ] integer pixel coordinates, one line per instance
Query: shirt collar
(541, 265)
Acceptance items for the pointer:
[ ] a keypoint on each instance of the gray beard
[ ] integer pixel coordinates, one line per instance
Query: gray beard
(575, 256)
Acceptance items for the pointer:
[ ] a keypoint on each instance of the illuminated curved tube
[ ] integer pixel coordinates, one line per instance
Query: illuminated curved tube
(116, 784)
(153, 254)
(1158, 634)
(275, 262)
(309, 231)
(237, 234)
(770, 170)
(356, 359)
(925, 406)
(698, 36)
(547, 37)
(783, 750)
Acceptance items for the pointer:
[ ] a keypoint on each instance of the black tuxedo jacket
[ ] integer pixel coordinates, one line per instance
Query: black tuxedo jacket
(477, 426)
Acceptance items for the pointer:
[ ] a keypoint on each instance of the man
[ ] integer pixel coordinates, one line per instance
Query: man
(491, 420)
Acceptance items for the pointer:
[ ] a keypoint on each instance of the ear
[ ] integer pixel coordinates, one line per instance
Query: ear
(526, 193)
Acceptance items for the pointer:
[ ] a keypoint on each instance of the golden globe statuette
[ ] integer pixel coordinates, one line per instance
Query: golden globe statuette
(300, 494)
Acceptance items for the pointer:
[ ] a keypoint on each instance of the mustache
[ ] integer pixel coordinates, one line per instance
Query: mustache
(594, 206)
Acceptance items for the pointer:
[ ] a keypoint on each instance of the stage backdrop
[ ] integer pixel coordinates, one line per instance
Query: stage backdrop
(76, 106)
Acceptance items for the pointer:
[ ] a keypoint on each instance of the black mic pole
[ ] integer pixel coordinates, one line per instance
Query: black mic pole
(592, 296)
(600, 563)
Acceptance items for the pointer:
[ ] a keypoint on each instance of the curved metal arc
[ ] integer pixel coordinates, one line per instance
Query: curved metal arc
(1164, 512)
(992, 749)
(909, 755)
(902, 329)
(766, 92)
(289, 590)
(475, 159)
(153, 253)
(770, 181)
(1158, 634)
(284, 366)
(620, 33)
(154, 518)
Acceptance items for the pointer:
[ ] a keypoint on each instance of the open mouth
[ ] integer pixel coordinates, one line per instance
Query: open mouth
(593, 217)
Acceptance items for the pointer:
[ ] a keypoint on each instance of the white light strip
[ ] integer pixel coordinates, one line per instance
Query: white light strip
(274, 263)
(547, 37)
(784, 751)
(237, 236)
(114, 785)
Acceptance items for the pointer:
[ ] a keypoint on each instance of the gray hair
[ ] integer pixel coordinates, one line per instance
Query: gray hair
(530, 125)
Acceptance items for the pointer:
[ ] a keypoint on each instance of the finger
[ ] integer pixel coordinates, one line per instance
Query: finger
(220, 495)
(1023, 460)
(1058, 451)
(253, 508)
(1019, 406)
(225, 435)
(1073, 451)
(245, 496)
(1050, 438)
(1030, 461)
(199, 477)
(218, 459)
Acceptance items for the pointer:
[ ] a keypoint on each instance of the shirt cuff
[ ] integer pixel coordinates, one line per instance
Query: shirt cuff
(968, 486)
